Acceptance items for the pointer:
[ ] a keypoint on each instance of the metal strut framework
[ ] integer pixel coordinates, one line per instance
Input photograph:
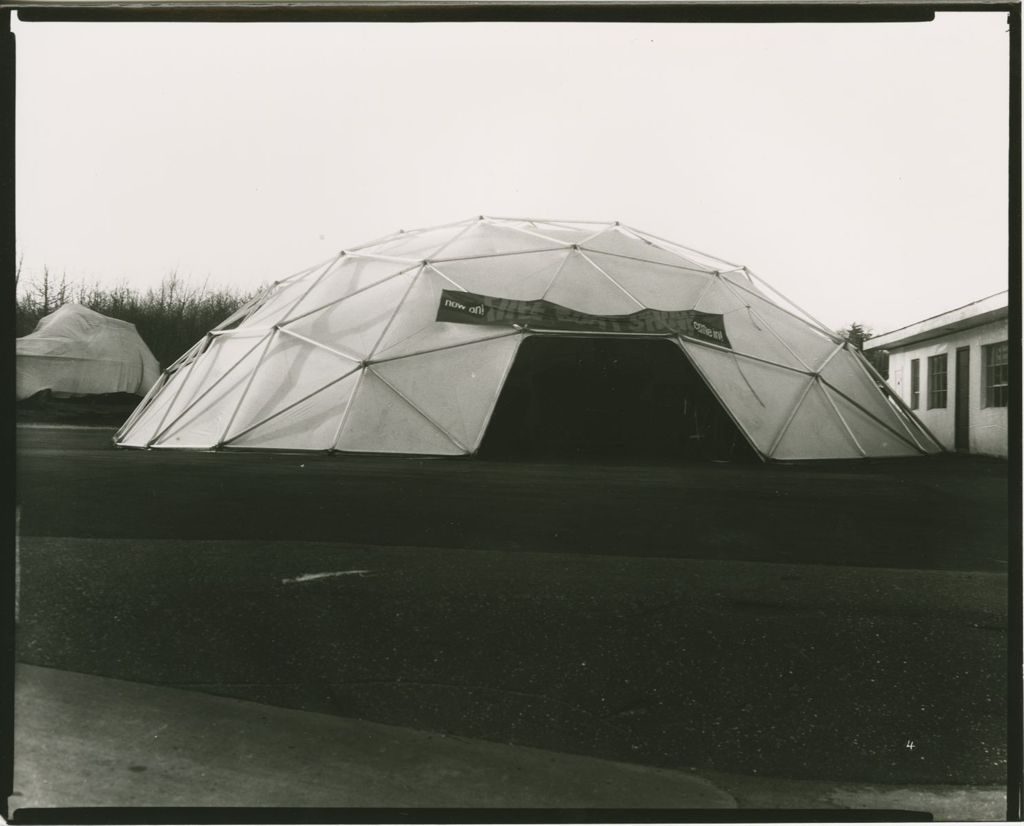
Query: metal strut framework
(776, 334)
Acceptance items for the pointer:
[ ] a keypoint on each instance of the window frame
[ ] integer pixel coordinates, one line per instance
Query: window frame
(990, 390)
(938, 396)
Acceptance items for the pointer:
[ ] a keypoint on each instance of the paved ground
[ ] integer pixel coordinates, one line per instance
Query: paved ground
(929, 513)
(91, 741)
(106, 410)
(802, 671)
(624, 613)
(125, 744)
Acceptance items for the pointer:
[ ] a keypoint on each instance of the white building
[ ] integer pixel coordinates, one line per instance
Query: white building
(952, 370)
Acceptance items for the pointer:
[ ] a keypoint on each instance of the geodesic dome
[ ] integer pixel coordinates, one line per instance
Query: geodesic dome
(403, 345)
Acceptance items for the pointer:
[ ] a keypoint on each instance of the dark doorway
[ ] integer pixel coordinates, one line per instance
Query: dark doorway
(961, 401)
(609, 398)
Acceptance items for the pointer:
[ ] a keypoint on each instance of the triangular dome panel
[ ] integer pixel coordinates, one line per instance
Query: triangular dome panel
(311, 424)
(615, 241)
(759, 396)
(381, 421)
(654, 285)
(276, 303)
(439, 336)
(290, 370)
(355, 324)
(872, 437)
(846, 376)
(146, 421)
(487, 238)
(351, 276)
(581, 286)
(203, 421)
(816, 432)
(718, 298)
(524, 279)
(698, 258)
(416, 245)
(749, 334)
(417, 311)
(457, 387)
(223, 360)
(558, 233)
(807, 341)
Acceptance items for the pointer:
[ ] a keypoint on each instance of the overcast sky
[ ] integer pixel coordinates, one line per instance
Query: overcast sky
(860, 169)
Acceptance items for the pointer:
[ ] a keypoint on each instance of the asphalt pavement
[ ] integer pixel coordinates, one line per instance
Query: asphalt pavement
(942, 512)
(84, 741)
(842, 622)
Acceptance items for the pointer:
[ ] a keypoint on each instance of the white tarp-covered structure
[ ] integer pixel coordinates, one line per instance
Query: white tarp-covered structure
(75, 351)
(403, 346)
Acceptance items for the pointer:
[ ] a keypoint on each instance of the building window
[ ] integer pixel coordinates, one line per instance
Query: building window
(997, 374)
(915, 383)
(936, 381)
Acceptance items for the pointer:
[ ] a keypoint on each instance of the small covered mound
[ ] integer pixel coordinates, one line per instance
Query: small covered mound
(75, 351)
(404, 345)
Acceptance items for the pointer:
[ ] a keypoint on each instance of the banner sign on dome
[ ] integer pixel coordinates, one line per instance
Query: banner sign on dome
(470, 308)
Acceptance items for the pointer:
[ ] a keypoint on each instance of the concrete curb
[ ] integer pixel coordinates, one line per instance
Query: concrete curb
(58, 426)
(942, 803)
(90, 741)
(82, 740)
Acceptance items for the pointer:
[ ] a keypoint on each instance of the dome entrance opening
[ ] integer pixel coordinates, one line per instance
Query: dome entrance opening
(607, 398)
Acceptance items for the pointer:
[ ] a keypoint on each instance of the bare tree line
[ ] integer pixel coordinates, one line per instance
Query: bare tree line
(170, 317)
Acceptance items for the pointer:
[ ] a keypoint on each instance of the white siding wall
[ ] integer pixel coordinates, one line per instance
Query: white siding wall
(987, 424)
